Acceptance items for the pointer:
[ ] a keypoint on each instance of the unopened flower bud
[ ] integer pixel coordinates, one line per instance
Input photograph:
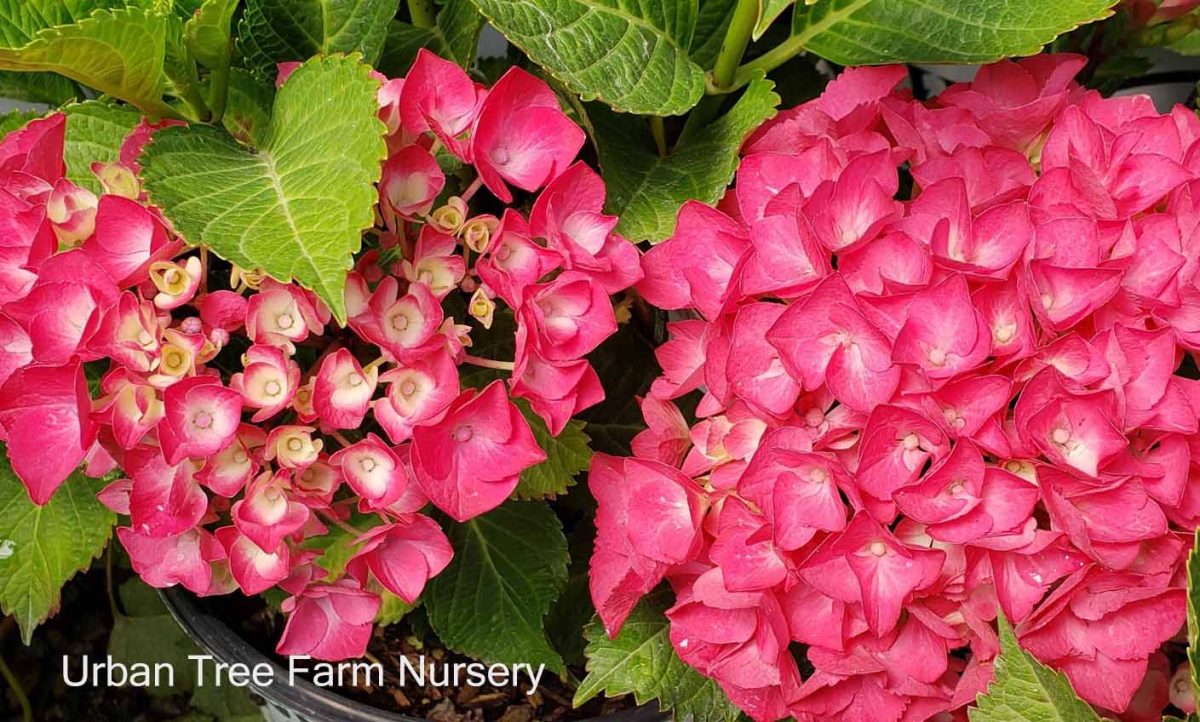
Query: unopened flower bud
(482, 308)
(477, 232)
(450, 217)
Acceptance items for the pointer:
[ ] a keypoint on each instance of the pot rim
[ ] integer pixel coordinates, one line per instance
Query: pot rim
(305, 698)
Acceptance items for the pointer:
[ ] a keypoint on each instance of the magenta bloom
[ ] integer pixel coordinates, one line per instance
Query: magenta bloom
(44, 412)
(521, 136)
(402, 556)
(329, 621)
(200, 418)
(469, 462)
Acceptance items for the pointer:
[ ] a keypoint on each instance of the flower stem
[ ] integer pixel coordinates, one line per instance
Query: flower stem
(338, 437)
(768, 61)
(488, 363)
(470, 191)
(327, 516)
(375, 364)
(15, 686)
(737, 37)
(109, 587)
(660, 135)
(421, 13)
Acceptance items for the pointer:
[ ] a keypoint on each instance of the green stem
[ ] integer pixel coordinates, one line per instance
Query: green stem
(218, 91)
(109, 587)
(660, 135)
(768, 61)
(18, 692)
(737, 37)
(422, 13)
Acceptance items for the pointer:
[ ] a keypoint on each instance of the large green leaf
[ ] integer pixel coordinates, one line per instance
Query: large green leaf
(119, 51)
(273, 31)
(862, 32)
(297, 207)
(95, 131)
(642, 661)
(646, 189)
(43, 88)
(566, 455)
(630, 54)
(1025, 690)
(41, 547)
(509, 566)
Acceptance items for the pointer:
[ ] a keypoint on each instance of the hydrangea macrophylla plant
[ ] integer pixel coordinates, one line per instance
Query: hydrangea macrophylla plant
(921, 408)
(242, 422)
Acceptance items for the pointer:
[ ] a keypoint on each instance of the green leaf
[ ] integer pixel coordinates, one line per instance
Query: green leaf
(630, 54)
(866, 32)
(208, 32)
(1025, 690)
(646, 190)
(248, 107)
(148, 634)
(95, 132)
(274, 31)
(509, 566)
(1193, 613)
(14, 119)
(454, 37)
(459, 25)
(41, 88)
(566, 455)
(642, 661)
(119, 52)
(298, 206)
(768, 11)
(573, 609)
(41, 547)
(712, 21)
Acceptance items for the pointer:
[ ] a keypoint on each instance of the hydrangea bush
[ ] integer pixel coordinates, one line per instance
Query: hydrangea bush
(217, 502)
(318, 301)
(923, 408)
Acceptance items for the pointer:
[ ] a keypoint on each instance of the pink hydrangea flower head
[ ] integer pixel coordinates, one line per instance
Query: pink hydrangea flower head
(469, 462)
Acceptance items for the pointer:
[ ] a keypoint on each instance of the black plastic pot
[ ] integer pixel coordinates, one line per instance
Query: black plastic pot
(304, 701)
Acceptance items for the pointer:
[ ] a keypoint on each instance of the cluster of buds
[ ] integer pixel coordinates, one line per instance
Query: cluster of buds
(242, 422)
(919, 409)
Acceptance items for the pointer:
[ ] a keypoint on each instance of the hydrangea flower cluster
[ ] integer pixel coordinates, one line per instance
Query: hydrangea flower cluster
(919, 408)
(243, 421)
